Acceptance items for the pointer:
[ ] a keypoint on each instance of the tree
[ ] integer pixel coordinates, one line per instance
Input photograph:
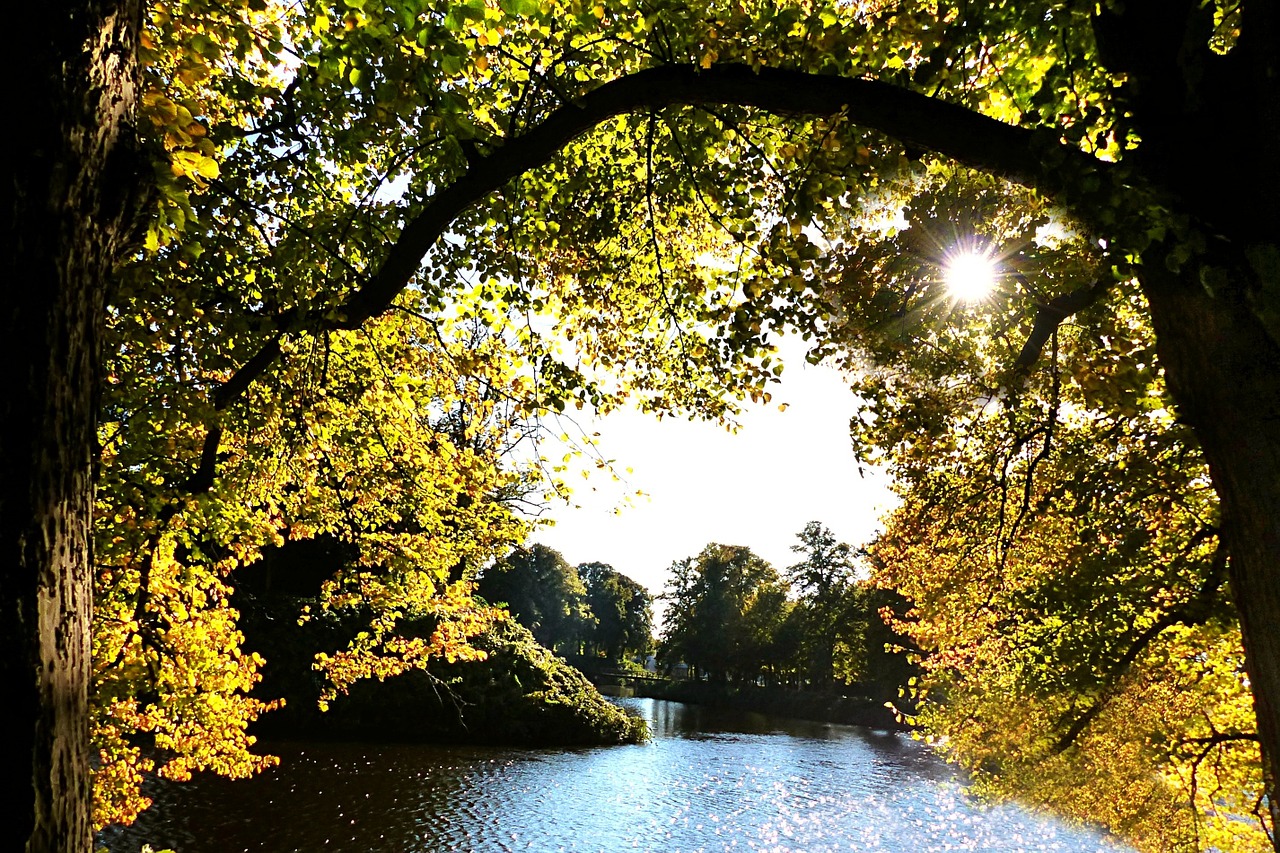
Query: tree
(69, 207)
(544, 593)
(375, 460)
(840, 623)
(503, 123)
(724, 609)
(1062, 550)
(388, 439)
(827, 567)
(622, 608)
(876, 654)
(824, 579)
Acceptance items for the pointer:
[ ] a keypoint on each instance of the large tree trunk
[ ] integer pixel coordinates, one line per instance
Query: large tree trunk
(1223, 369)
(72, 109)
(1221, 360)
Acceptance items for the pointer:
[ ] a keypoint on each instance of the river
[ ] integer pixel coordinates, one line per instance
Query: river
(710, 780)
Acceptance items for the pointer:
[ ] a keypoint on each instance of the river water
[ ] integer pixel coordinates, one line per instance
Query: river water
(710, 780)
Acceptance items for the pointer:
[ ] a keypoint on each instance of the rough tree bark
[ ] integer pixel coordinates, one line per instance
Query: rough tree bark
(1223, 370)
(1216, 313)
(68, 199)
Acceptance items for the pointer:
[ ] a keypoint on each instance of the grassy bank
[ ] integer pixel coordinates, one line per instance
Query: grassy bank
(521, 695)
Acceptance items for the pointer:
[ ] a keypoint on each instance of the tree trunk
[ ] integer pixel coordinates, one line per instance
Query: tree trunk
(74, 106)
(1223, 369)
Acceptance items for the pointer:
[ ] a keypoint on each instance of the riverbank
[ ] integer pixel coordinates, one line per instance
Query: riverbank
(774, 701)
(520, 694)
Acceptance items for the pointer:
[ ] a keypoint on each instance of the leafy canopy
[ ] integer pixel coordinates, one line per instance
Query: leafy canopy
(623, 610)
(1058, 536)
(385, 237)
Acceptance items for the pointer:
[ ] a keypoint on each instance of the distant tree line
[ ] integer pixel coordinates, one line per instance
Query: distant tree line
(731, 617)
(591, 610)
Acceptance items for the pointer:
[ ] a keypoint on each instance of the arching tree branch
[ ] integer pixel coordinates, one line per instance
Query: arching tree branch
(1014, 153)
(910, 117)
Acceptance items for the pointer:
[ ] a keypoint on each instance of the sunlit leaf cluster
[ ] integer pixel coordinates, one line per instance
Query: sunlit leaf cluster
(1058, 538)
(391, 438)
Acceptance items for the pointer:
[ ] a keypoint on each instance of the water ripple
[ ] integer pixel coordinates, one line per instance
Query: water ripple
(709, 781)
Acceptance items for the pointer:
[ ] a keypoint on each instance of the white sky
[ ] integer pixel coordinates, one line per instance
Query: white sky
(758, 487)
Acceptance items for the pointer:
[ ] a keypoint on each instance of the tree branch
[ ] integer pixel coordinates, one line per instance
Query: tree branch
(1193, 612)
(248, 372)
(1050, 315)
(203, 478)
(910, 117)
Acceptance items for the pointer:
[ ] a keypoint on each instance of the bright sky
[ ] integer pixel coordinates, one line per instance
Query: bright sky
(758, 487)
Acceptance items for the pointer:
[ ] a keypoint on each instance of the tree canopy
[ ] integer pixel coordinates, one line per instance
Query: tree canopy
(623, 610)
(724, 608)
(731, 617)
(319, 267)
(544, 593)
(1062, 548)
(824, 577)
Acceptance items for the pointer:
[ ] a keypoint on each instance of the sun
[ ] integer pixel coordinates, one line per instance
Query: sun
(970, 276)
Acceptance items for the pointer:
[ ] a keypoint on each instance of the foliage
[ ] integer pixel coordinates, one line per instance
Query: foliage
(375, 437)
(385, 236)
(723, 609)
(731, 617)
(827, 567)
(525, 693)
(623, 611)
(1057, 535)
(543, 593)
(824, 580)
(517, 693)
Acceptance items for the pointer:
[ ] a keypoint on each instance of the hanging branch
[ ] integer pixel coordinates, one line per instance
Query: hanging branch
(1050, 315)
(1194, 612)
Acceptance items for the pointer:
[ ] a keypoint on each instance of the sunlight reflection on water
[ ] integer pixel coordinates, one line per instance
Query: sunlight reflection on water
(709, 781)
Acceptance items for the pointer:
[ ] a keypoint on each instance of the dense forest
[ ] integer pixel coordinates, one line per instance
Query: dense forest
(337, 268)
